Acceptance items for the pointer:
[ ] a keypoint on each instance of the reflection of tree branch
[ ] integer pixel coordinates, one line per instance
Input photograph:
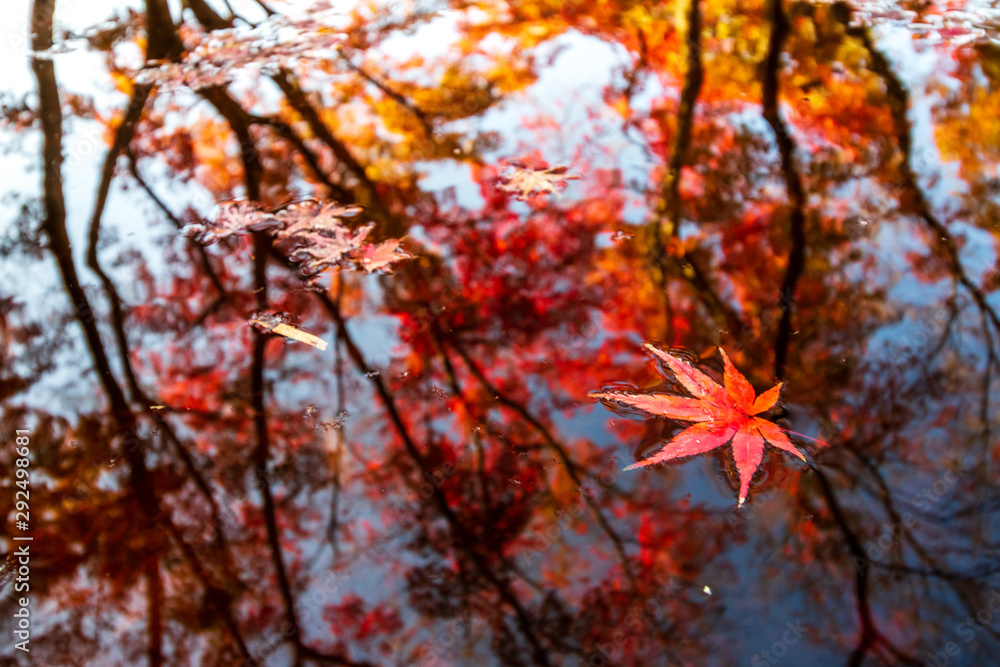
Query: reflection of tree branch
(162, 39)
(669, 208)
(206, 263)
(885, 497)
(288, 133)
(899, 102)
(215, 596)
(869, 635)
(567, 461)
(263, 5)
(632, 76)
(50, 115)
(297, 98)
(239, 121)
(668, 213)
(154, 609)
(123, 136)
(418, 113)
(456, 389)
(398, 98)
(121, 144)
(207, 16)
(338, 349)
(261, 454)
(793, 183)
(461, 533)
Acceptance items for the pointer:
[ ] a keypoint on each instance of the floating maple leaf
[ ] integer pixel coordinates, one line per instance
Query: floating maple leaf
(234, 218)
(313, 216)
(377, 257)
(214, 58)
(721, 414)
(322, 252)
(528, 182)
(317, 238)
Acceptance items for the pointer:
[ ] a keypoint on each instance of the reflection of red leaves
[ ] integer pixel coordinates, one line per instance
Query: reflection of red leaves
(528, 182)
(721, 414)
(352, 618)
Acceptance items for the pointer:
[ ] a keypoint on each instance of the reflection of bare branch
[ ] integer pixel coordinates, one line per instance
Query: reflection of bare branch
(297, 98)
(462, 535)
(869, 635)
(668, 218)
(456, 389)
(899, 102)
(793, 183)
(239, 121)
(339, 436)
(207, 16)
(215, 596)
(960, 583)
(669, 208)
(286, 131)
(121, 144)
(123, 136)
(206, 263)
(571, 467)
(425, 123)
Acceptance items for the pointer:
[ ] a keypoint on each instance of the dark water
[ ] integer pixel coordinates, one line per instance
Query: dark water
(812, 187)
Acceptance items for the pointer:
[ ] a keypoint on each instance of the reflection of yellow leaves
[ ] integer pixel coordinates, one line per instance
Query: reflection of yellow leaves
(971, 138)
(122, 83)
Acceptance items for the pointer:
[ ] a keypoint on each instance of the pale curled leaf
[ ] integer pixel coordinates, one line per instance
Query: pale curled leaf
(526, 182)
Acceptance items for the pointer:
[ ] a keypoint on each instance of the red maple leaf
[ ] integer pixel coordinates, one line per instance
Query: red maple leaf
(721, 414)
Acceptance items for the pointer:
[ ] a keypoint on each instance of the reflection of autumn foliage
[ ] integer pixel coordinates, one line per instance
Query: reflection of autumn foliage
(436, 487)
